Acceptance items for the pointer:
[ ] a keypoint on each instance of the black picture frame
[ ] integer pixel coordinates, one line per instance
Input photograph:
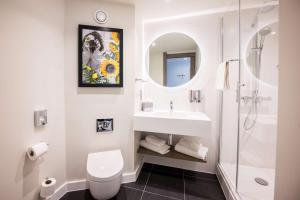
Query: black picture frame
(82, 67)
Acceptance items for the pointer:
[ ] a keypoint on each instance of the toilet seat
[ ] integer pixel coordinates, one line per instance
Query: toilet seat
(104, 166)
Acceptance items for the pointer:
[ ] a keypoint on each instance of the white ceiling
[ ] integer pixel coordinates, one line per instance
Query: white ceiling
(177, 1)
(123, 1)
(197, 3)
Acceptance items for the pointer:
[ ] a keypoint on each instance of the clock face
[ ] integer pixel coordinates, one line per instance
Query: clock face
(101, 17)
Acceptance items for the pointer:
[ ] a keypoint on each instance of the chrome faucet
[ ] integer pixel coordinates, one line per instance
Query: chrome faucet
(171, 106)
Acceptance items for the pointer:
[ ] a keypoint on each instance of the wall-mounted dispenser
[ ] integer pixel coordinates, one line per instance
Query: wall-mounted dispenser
(195, 96)
(40, 117)
(147, 106)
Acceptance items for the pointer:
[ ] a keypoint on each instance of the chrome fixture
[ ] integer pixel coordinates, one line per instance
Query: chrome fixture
(170, 140)
(233, 60)
(147, 106)
(195, 96)
(141, 94)
(258, 47)
(141, 80)
(40, 117)
(171, 106)
(259, 99)
(261, 181)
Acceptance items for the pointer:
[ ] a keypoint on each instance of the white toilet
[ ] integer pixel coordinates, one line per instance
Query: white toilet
(104, 173)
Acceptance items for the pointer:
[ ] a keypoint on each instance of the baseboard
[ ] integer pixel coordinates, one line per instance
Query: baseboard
(82, 184)
(228, 190)
(77, 185)
(132, 176)
(60, 192)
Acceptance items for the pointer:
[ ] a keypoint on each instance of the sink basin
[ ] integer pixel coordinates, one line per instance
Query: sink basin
(176, 122)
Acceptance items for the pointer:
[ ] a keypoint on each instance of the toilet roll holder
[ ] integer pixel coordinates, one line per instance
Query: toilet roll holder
(31, 153)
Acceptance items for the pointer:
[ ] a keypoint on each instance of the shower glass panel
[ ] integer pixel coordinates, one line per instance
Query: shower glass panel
(229, 118)
(248, 122)
(258, 99)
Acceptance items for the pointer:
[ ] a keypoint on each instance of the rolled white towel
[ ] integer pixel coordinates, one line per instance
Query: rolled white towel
(193, 139)
(191, 143)
(221, 76)
(156, 141)
(161, 150)
(201, 154)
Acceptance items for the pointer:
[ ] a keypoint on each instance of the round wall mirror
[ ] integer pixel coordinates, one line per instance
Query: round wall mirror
(262, 54)
(173, 59)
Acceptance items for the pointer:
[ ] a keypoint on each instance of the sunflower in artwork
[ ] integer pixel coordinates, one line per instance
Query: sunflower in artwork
(117, 58)
(113, 47)
(115, 37)
(94, 76)
(110, 68)
(86, 67)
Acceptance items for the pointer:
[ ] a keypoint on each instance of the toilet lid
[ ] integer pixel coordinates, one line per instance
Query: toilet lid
(104, 166)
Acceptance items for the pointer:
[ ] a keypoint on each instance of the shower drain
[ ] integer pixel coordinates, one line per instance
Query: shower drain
(261, 181)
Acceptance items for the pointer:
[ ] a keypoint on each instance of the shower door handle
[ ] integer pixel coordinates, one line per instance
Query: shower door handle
(237, 91)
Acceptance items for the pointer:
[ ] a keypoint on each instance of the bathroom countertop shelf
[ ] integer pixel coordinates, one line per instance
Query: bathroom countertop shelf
(175, 123)
(172, 154)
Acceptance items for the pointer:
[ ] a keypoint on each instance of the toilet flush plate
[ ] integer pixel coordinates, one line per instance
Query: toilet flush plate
(105, 125)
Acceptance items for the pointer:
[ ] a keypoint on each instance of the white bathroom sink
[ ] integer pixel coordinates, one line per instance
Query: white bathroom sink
(176, 122)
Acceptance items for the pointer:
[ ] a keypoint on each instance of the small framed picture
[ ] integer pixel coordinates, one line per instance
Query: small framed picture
(104, 125)
(100, 56)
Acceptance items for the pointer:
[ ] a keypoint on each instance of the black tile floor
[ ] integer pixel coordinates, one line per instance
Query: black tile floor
(157, 182)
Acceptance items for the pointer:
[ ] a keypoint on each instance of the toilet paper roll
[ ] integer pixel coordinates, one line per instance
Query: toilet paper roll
(37, 150)
(48, 187)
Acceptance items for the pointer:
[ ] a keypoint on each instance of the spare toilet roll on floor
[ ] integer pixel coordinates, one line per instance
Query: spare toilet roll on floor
(48, 187)
(37, 150)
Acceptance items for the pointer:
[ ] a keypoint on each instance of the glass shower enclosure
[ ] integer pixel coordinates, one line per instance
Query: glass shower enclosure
(249, 106)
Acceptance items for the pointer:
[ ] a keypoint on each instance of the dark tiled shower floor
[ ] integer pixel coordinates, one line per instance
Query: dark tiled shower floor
(157, 182)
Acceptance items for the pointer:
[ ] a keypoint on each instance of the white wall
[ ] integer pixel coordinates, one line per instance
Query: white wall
(287, 181)
(156, 67)
(32, 74)
(85, 105)
(208, 39)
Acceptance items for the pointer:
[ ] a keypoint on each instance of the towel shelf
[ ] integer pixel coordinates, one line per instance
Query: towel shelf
(172, 154)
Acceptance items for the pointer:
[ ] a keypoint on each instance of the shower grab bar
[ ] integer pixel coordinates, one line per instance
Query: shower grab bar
(246, 99)
(233, 60)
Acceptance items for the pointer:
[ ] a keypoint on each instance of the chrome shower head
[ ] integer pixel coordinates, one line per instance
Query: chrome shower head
(263, 33)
